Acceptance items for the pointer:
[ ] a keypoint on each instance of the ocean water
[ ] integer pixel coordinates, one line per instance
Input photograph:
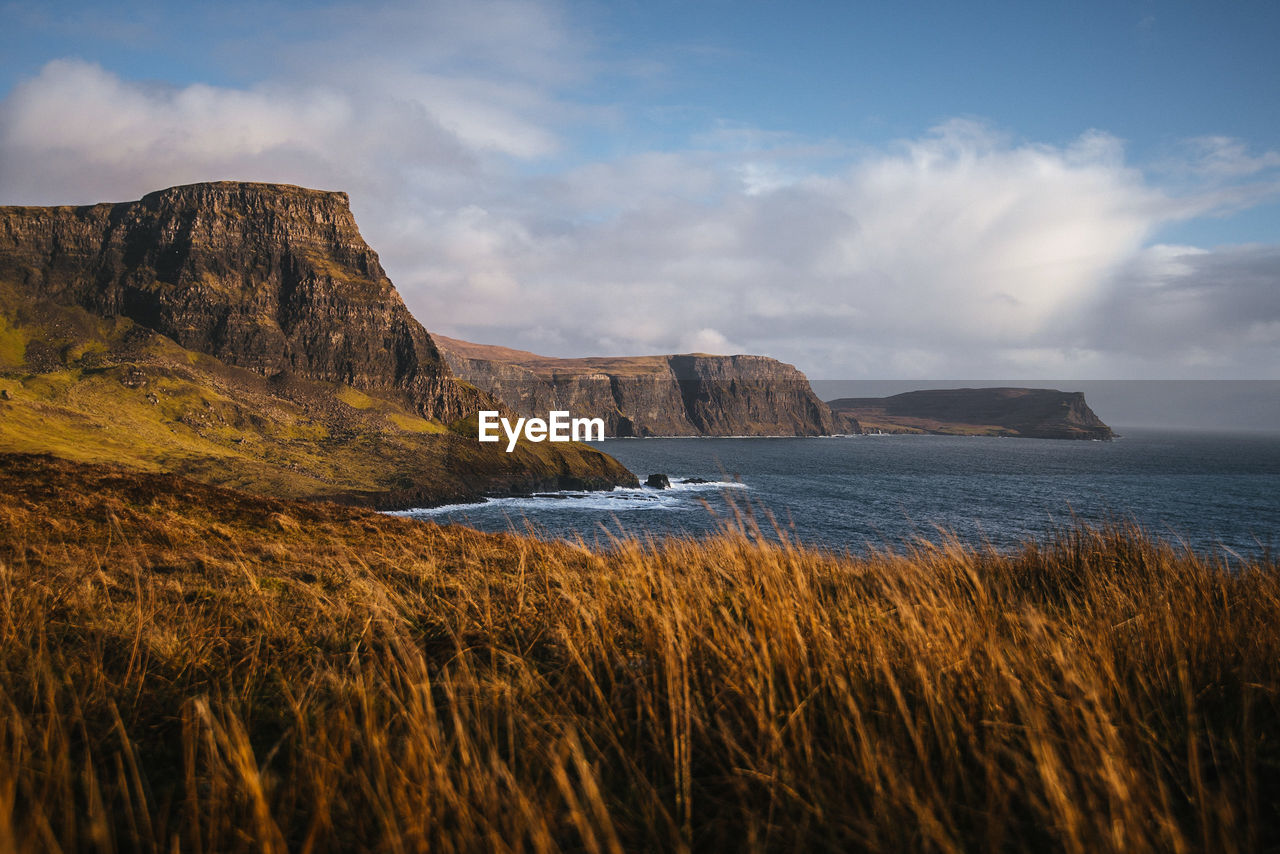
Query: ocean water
(1212, 491)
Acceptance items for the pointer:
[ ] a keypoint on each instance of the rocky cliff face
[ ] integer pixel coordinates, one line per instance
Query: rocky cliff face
(686, 395)
(272, 278)
(1035, 413)
(244, 335)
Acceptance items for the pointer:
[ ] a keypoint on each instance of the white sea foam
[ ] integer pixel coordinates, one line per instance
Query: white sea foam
(678, 497)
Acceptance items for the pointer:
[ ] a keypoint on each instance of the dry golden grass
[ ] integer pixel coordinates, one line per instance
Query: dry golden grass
(189, 669)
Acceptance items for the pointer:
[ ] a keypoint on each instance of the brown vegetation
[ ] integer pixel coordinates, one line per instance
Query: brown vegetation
(547, 367)
(189, 668)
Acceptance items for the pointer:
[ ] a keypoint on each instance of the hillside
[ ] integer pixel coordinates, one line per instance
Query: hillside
(678, 395)
(247, 335)
(1021, 412)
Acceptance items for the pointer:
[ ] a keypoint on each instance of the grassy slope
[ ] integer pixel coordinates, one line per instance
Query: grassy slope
(186, 668)
(874, 420)
(548, 367)
(95, 390)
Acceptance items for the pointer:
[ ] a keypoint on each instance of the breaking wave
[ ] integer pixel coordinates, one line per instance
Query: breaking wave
(680, 496)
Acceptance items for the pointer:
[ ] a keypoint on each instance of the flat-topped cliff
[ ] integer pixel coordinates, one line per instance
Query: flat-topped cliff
(677, 395)
(269, 277)
(1035, 413)
(247, 335)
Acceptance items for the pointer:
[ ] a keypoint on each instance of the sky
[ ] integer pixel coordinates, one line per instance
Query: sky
(869, 191)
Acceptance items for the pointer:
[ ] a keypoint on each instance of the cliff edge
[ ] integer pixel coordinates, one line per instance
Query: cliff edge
(245, 334)
(269, 277)
(677, 395)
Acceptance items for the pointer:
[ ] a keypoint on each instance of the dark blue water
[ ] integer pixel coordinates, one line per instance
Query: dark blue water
(1211, 491)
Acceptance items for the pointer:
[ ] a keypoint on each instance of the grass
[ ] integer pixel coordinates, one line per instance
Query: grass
(880, 423)
(185, 668)
(106, 391)
(550, 367)
(354, 398)
(13, 344)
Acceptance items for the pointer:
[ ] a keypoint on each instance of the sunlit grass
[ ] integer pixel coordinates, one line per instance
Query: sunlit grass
(183, 668)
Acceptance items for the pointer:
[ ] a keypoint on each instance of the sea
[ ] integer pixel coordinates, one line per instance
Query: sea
(1215, 493)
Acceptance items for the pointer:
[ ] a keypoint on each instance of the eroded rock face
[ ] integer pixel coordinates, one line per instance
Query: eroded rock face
(685, 395)
(748, 395)
(269, 277)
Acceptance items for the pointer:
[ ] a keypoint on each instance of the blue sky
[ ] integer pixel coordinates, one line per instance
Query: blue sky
(867, 190)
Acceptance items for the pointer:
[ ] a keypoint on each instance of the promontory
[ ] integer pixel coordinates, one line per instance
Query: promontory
(1036, 413)
(246, 335)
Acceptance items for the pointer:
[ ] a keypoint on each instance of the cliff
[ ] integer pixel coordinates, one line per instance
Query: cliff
(683, 395)
(268, 277)
(254, 325)
(1022, 412)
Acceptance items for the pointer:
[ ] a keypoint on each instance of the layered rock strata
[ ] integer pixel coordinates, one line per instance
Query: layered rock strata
(268, 277)
(680, 395)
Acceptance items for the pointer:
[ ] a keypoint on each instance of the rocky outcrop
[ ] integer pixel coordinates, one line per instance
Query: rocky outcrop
(684, 395)
(1035, 413)
(244, 335)
(268, 277)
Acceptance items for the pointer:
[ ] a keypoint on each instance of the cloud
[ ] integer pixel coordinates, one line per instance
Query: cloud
(957, 242)
(78, 133)
(382, 100)
(707, 340)
(963, 252)
(1219, 310)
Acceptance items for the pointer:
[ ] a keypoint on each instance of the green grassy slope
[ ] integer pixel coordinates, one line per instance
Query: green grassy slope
(92, 389)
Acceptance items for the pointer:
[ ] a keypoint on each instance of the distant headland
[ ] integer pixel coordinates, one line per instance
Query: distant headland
(1032, 413)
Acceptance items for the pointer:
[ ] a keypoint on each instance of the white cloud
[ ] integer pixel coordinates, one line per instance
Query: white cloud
(707, 340)
(960, 253)
(965, 236)
(78, 133)
(958, 241)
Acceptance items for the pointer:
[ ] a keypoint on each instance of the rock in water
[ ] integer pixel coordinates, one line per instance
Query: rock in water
(658, 481)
